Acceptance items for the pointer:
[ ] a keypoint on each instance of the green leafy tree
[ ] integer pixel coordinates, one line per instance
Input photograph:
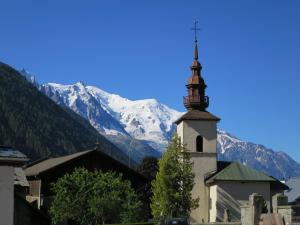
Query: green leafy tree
(173, 183)
(90, 198)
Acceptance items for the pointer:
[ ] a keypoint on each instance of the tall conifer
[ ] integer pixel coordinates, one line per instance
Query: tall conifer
(173, 183)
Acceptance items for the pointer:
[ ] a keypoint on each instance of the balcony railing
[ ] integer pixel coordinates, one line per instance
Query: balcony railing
(195, 101)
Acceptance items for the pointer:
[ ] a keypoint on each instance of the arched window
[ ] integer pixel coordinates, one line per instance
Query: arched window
(199, 144)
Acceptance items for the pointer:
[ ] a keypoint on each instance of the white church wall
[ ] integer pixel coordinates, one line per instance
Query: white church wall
(227, 197)
(226, 207)
(180, 132)
(204, 162)
(207, 129)
(241, 190)
(213, 203)
(201, 164)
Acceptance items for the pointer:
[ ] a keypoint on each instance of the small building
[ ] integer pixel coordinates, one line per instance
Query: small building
(10, 159)
(222, 188)
(14, 209)
(43, 173)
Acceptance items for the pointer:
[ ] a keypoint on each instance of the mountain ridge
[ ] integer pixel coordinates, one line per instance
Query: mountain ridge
(152, 123)
(34, 124)
(276, 163)
(78, 98)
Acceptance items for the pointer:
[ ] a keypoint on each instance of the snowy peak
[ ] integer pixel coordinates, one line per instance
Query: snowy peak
(77, 98)
(149, 125)
(277, 164)
(146, 120)
(226, 141)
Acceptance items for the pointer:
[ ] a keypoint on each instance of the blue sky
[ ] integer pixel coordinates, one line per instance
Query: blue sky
(249, 50)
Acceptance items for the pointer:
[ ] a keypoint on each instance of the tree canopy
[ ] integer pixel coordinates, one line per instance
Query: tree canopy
(148, 168)
(173, 183)
(90, 198)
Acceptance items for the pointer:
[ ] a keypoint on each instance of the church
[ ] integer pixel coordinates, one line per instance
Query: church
(222, 187)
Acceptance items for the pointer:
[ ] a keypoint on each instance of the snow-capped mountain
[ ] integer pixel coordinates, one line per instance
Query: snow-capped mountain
(277, 164)
(145, 120)
(148, 124)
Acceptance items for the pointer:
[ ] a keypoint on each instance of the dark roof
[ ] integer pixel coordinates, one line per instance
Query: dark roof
(11, 156)
(49, 164)
(294, 193)
(40, 167)
(197, 115)
(238, 172)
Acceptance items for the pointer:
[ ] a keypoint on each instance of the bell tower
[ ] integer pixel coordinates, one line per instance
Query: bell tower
(197, 129)
(196, 86)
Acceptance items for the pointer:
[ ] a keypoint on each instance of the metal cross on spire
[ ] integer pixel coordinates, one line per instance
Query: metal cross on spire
(195, 29)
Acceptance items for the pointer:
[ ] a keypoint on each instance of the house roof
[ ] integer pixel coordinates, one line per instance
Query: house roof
(40, 167)
(20, 178)
(10, 156)
(294, 192)
(52, 168)
(238, 172)
(197, 115)
(48, 164)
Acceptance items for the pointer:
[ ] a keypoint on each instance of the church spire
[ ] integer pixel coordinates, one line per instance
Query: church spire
(195, 29)
(196, 99)
(196, 51)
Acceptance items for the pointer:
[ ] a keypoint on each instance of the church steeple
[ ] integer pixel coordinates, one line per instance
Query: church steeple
(196, 50)
(197, 130)
(196, 99)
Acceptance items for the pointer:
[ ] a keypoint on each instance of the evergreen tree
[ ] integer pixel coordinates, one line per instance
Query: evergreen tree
(148, 168)
(173, 183)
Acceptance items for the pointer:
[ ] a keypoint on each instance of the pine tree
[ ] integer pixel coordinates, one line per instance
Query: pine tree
(173, 183)
(148, 168)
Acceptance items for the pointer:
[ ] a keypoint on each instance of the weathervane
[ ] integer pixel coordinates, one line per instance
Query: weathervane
(195, 29)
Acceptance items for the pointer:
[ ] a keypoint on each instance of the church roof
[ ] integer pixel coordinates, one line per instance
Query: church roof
(238, 172)
(197, 115)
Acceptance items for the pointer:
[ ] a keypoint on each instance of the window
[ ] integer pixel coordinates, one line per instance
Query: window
(199, 144)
